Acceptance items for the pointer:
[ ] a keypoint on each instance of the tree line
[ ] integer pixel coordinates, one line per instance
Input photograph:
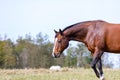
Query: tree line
(35, 52)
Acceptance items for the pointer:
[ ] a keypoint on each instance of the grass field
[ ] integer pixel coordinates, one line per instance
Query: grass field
(63, 74)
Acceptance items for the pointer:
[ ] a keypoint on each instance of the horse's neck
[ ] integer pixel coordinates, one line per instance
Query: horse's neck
(76, 33)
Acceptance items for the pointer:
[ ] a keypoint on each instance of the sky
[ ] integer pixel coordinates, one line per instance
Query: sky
(21, 17)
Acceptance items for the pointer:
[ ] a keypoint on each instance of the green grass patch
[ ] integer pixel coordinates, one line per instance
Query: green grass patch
(63, 74)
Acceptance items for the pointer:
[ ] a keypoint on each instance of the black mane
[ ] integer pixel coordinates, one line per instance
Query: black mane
(70, 26)
(74, 25)
(79, 23)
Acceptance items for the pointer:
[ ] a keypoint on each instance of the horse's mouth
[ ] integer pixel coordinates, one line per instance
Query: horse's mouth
(56, 55)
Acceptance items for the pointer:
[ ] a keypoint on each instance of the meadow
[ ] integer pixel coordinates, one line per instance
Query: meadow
(63, 74)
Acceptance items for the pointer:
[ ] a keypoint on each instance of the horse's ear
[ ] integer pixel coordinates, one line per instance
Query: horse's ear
(61, 32)
(55, 31)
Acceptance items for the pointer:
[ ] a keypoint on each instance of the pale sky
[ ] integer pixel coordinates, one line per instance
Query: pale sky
(20, 17)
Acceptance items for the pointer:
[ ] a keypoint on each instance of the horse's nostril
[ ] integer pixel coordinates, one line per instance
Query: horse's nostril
(56, 55)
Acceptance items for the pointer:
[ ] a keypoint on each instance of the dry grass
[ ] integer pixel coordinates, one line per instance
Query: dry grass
(63, 74)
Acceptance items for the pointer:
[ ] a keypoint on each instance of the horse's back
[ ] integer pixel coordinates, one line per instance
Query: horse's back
(112, 37)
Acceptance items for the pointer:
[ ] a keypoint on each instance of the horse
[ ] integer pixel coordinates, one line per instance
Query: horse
(99, 36)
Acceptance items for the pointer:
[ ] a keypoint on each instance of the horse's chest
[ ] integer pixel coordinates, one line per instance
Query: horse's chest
(90, 46)
(90, 41)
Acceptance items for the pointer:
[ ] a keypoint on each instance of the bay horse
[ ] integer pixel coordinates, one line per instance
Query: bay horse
(99, 37)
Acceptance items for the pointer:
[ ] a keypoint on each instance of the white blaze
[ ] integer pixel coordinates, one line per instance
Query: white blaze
(54, 46)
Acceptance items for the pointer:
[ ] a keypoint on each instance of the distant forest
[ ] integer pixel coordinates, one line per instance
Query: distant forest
(35, 52)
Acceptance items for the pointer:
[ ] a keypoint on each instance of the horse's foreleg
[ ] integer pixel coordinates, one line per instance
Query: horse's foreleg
(96, 57)
(93, 65)
(99, 64)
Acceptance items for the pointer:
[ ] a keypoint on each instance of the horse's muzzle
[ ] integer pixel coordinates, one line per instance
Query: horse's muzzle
(56, 55)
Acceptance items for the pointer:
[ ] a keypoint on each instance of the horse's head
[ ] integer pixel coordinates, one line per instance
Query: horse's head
(61, 42)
